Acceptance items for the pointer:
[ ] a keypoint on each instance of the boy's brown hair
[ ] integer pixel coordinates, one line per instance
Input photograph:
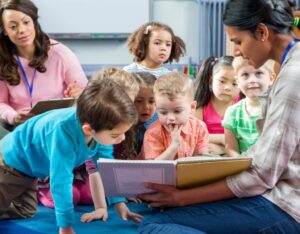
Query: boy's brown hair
(104, 104)
(173, 84)
(128, 81)
(139, 40)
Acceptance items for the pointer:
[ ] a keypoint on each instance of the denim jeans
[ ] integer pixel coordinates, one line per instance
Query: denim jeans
(235, 216)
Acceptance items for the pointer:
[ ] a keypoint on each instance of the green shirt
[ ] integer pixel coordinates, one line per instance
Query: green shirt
(242, 125)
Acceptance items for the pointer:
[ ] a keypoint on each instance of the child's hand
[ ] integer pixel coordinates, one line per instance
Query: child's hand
(134, 199)
(67, 230)
(100, 213)
(175, 134)
(126, 214)
(73, 90)
(216, 149)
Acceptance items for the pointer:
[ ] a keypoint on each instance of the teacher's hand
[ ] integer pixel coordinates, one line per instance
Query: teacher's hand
(73, 90)
(164, 196)
(22, 116)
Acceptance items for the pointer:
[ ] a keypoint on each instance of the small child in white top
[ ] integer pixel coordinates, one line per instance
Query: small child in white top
(152, 45)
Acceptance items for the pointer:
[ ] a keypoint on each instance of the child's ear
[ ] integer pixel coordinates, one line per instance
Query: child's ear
(87, 129)
(193, 106)
(237, 81)
(272, 78)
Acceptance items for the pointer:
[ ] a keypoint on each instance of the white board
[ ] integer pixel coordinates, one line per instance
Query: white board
(92, 16)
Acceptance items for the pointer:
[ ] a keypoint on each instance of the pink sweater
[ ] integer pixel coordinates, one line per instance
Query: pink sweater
(212, 119)
(62, 69)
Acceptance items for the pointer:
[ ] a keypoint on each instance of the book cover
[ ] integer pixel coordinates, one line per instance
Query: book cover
(195, 171)
(127, 177)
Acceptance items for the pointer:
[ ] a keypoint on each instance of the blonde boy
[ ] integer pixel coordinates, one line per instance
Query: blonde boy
(176, 133)
(240, 119)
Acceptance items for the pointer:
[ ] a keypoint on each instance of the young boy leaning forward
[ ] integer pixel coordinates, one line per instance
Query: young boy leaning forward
(54, 143)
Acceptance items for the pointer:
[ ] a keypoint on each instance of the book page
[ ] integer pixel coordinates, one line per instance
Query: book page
(133, 180)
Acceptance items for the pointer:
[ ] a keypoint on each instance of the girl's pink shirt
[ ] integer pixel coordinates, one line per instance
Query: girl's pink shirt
(62, 67)
(212, 119)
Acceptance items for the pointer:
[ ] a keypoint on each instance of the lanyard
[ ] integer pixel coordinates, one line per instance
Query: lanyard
(30, 86)
(290, 45)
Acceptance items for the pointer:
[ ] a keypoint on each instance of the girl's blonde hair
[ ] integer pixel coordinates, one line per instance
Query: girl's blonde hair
(128, 81)
(239, 62)
(173, 84)
(139, 40)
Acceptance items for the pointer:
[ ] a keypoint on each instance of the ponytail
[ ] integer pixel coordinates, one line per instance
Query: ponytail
(203, 82)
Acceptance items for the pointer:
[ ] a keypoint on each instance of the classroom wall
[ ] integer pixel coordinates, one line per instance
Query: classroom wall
(181, 15)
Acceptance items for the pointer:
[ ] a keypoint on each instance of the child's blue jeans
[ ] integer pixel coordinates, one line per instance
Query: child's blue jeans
(235, 216)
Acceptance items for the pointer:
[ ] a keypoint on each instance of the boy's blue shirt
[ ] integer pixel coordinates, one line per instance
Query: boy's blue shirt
(52, 144)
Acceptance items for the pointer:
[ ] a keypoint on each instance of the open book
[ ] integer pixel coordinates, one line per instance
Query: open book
(127, 177)
(51, 104)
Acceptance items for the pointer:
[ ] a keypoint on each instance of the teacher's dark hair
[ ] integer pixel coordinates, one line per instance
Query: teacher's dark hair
(247, 14)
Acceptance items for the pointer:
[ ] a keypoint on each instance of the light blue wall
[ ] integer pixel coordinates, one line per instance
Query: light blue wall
(181, 15)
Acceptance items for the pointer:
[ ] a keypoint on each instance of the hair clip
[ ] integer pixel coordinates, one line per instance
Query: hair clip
(148, 29)
(296, 22)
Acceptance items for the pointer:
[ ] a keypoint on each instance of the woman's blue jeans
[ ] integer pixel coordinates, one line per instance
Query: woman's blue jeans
(235, 216)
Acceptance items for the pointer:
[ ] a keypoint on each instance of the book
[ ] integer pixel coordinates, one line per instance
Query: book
(51, 104)
(5, 128)
(3, 132)
(127, 177)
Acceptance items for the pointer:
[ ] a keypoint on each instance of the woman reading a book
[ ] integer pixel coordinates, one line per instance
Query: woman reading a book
(266, 197)
(32, 67)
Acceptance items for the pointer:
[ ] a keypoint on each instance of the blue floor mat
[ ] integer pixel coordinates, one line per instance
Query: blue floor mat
(44, 222)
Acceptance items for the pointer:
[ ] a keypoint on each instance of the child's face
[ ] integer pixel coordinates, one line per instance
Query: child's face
(224, 85)
(112, 137)
(145, 104)
(159, 47)
(175, 112)
(253, 82)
